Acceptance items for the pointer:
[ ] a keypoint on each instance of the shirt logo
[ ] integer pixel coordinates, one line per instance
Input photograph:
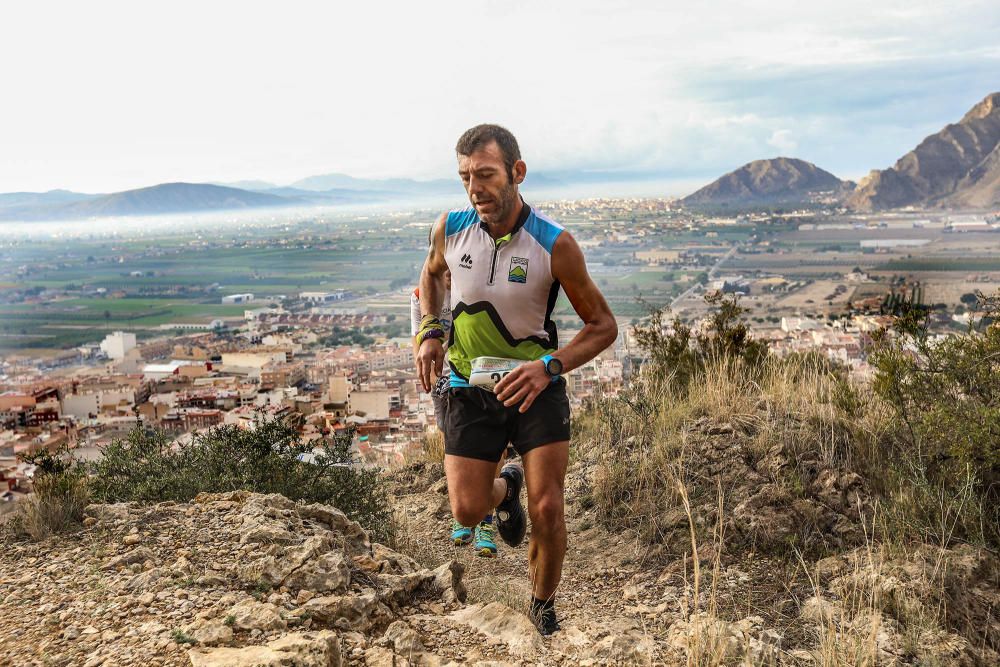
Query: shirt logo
(518, 270)
(466, 261)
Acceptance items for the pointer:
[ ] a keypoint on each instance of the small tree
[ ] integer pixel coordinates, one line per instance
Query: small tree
(677, 353)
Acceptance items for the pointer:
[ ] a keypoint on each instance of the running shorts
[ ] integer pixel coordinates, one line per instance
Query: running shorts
(478, 426)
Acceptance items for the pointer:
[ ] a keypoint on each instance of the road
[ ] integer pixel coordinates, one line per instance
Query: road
(711, 274)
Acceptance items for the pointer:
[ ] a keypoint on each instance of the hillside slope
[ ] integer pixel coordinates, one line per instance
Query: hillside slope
(245, 579)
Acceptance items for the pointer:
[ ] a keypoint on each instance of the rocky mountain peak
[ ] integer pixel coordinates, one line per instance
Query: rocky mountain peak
(958, 167)
(990, 105)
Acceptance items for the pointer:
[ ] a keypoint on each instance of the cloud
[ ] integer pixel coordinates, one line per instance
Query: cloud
(384, 89)
(783, 141)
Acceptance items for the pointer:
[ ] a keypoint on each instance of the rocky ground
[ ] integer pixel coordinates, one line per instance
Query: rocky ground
(244, 579)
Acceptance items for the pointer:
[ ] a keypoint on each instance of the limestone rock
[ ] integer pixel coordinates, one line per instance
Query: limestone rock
(137, 555)
(378, 656)
(253, 615)
(357, 610)
(448, 580)
(403, 640)
(327, 573)
(209, 633)
(393, 562)
(820, 610)
(355, 539)
(299, 649)
(632, 648)
(501, 623)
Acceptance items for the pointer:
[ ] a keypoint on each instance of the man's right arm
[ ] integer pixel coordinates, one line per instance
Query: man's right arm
(430, 355)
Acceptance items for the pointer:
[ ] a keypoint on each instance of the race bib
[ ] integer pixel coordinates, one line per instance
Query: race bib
(487, 371)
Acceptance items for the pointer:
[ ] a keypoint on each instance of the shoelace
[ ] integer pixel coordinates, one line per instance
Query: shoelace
(488, 530)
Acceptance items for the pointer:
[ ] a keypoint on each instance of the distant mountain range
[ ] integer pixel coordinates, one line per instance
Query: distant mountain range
(163, 198)
(775, 181)
(328, 189)
(958, 167)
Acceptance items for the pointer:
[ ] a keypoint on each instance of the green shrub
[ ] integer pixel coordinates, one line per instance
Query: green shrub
(945, 393)
(679, 356)
(145, 467)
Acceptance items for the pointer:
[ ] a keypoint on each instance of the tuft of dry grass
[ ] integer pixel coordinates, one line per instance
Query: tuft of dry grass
(433, 446)
(431, 449)
(55, 505)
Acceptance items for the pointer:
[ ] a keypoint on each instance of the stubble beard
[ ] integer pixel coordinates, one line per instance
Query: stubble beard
(505, 201)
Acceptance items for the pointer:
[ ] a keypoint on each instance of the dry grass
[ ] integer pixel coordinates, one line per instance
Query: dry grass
(431, 449)
(55, 505)
(642, 440)
(645, 476)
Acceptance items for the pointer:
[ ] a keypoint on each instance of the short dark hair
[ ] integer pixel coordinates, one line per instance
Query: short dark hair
(480, 136)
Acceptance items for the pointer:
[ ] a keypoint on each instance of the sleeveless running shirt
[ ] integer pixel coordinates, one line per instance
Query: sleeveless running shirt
(502, 292)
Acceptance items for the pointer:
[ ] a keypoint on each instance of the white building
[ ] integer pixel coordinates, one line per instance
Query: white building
(237, 298)
(373, 403)
(792, 324)
(322, 297)
(116, 344)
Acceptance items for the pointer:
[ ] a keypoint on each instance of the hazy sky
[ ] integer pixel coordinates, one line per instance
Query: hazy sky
(103, 96)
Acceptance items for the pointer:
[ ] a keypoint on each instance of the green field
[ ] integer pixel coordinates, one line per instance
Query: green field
(966, 265)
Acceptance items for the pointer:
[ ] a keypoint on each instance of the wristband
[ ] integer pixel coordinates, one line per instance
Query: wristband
(430, 327)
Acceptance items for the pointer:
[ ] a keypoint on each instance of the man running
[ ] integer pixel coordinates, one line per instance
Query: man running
(507, 264)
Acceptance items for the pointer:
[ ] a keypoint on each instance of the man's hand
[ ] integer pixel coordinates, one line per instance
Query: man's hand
(430, 360)
(523, 385)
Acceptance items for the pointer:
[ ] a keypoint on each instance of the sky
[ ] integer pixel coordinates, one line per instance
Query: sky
(104, 96)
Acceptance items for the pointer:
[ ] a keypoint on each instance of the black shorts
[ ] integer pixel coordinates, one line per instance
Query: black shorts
(479, 426)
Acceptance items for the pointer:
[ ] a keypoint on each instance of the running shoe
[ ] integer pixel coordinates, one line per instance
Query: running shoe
(546, 621)
(511, 519)
(460, 535)
(485, 543)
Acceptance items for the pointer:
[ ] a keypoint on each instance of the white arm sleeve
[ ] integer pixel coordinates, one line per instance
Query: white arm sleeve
(414, 314)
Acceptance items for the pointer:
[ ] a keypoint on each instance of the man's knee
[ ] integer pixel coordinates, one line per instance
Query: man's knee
(468, 513)
(547, 513)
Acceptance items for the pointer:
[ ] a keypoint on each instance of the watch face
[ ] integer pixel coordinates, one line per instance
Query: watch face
(554, 367)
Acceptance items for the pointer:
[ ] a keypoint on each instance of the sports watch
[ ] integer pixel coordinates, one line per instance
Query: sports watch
(552, 366)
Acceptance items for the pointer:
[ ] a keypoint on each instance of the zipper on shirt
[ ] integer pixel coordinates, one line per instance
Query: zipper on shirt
(496, 251)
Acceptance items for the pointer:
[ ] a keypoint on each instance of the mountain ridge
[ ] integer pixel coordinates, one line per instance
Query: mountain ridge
(958, 166)
(156, 199)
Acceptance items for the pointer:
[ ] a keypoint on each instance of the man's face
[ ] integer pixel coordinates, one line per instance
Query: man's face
(488, 184)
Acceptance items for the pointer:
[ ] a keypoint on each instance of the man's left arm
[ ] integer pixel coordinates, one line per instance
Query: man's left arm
(600, 329)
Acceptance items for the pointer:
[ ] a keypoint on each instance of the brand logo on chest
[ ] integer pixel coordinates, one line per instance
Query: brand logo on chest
(466, 262)
(518, 270)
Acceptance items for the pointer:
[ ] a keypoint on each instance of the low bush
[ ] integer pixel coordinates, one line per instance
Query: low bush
(270, 458)
(59, 495)
(945, 396)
